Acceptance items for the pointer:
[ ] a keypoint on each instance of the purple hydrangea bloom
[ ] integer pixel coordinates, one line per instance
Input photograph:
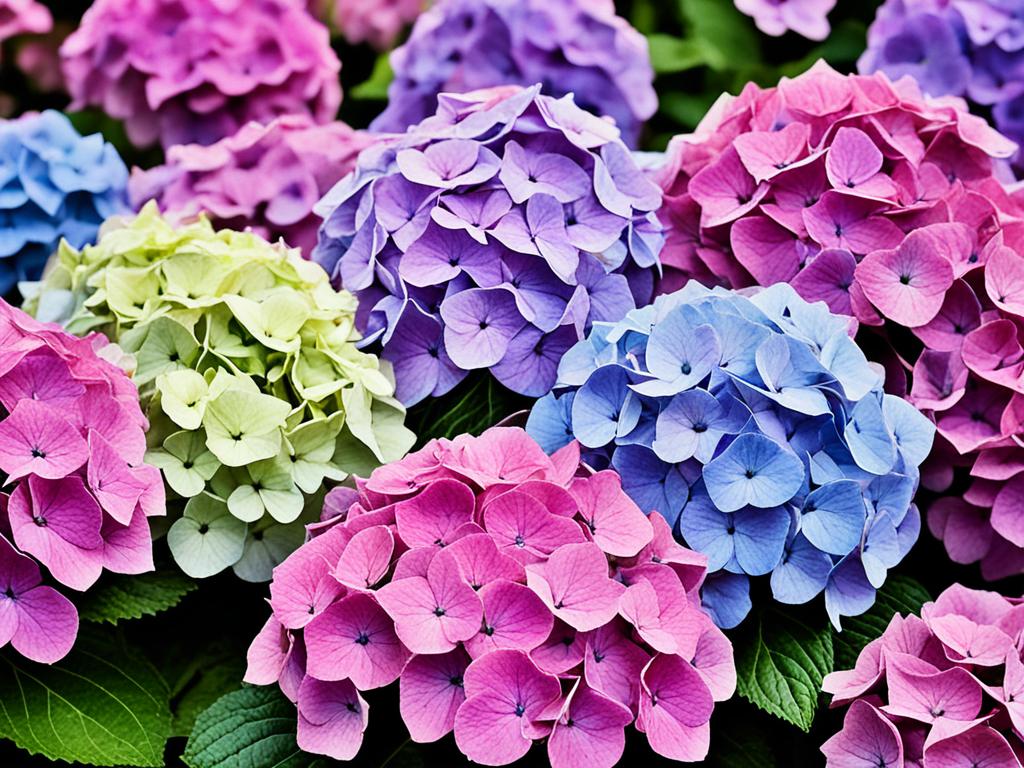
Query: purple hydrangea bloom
(757, 428)
(972, 48)
(195, 71)
(491, 236)
(54, 184)
(808, 18)
(569, 46)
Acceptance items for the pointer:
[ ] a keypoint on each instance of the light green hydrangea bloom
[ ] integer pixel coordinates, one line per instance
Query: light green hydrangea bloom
(245, 359)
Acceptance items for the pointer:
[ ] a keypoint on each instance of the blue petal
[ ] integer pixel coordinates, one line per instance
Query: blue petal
(688, 426)
(834, 516)
(680, 352)
(908, 531)
(890, 495)
(601, 404)
(650, 482)
(726, 598)
(848, 592)
(760, 538)
(845, 360)
(912, 430)
(881, 550)
(708, 531)
(802, 574)
(550, 422)
(754, 470)
(869, 439)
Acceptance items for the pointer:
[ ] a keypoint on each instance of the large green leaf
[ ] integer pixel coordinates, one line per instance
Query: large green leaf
(118, 597)
(103, 704)
(674, 54)
(780, 664)
(901, 594)
(247, 728)
(209, 674)
(725, 36)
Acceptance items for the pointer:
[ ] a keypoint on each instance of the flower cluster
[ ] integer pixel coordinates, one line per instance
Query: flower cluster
(893, 214)
(56, 184)
(376, 22)
(808, 18)
(194, 71)
(514, 596)
(265, 177)
(569, 46)
(245, 360)
(491, 236)
(758, 429)
(20, 17)
(78, 496)
(942, 690)
(971, 48)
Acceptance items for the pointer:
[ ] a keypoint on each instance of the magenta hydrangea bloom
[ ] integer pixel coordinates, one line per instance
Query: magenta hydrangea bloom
(195, 71)
(265, 177)
(78, 497)
(942, 690)
(569, 46)
(513, 596)
(491, 236)
(888, 206)
(21, 17)
(776, 17)
(376, 22)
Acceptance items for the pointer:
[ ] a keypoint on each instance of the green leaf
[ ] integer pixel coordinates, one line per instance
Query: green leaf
(477, 404)
(901, 594)
(375, 88)
(103, 704)
(725, 35)
(250, 727)
(673, 54)
(780, 666)
(212, 673)
(118, 597)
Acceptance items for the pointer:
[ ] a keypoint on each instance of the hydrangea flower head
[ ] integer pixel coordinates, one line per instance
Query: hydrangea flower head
(194, 71)
(56, 184)
(760, 433)
(376, 22)
(940, 690)
(888, 207)
(808, 18)
(491, 236)
(512, 595)
(21, 17)
(245, 360)
(971, 48)
(78, 497)
(265, 177)
(569, 46)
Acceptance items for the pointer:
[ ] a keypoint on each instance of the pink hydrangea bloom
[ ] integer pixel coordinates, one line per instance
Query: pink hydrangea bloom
(194, 71)
(943, 690)
(71, 446)
(512, 595)
(20, 17)
(376, 22)
(889, 207)
(776, 17)
(265, 177)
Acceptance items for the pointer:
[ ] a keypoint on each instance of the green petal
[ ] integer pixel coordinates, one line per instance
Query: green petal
(183, 397)
(266, 547)
(243, 427)
(168, 347)
(207, 539)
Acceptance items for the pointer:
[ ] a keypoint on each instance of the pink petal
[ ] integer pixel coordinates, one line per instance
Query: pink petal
(562, 650)
(354, 639)
(840, 221)
(525, 530)
(431, 692)
(1004, 280)
(267, 653)
(868, 740)
(590, 733)
(713, 660)
(920, 692)
(574, 584)
(480, 562)
(616, 523)
(47, 625)
(36, 439)
(690, 566)
(769, 252)
(765, 154)
(332, 718)
(128, 548)
(980, 747)
(514, 618)
(303, 586)
(499, 455)
(725, 190)
(853, 163)
(431, 517)
(366, 558)
(112, 481)
(1007, 512)
(613, 663)
(675, 708)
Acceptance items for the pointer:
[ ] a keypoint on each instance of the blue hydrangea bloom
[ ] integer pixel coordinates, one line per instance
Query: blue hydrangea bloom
(758, 429)
(54, 183)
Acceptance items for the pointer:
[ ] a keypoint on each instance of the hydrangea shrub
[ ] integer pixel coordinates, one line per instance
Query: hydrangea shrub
(972, 48)
(77, 496)
(888, 206)
(56, 184)
(491, 236)
(195, 71)
(941, 690)
(245, 359)
(265, 177)
(512, 595)
(569, 46)
(756, 427)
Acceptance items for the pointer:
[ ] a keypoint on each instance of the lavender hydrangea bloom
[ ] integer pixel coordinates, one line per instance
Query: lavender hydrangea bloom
(570, 46)
(54, 184)
(759, 431)
(972, 48)
(491, 236)
(195, 71)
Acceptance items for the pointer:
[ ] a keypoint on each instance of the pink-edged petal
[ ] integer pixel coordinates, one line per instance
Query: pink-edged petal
(432, 516)
(525, 530)
(616, 523)
(431, 692)
(868, 740)
(675, 709)
(590, 732)
(575, 585)
(366, 558)
(354, 639)
(514, 618)
(613, 663)
(36, 439)
(332, 718)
